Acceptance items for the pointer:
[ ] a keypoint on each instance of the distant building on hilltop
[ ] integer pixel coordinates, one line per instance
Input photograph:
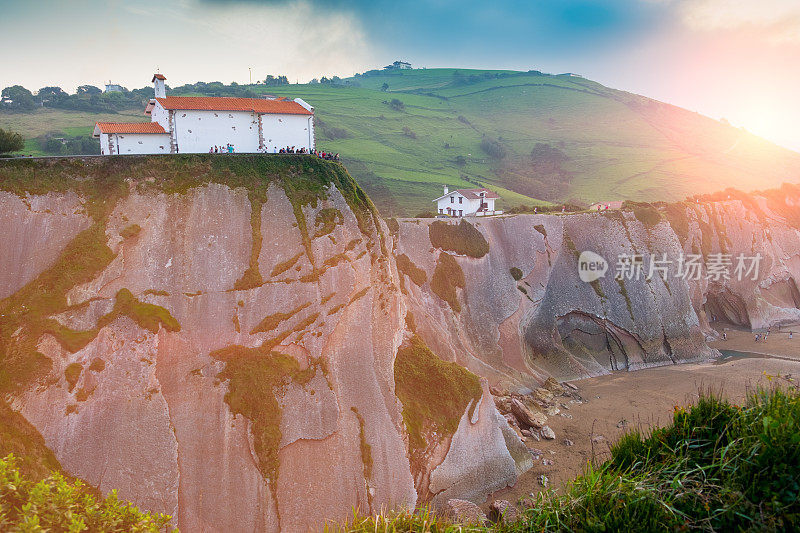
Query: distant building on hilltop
(398, 65)
(195, 124)
(113, 87)
(467, 202)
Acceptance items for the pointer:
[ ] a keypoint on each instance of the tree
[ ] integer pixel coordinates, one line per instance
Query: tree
(10, 142)
(385, 87)
(21, 98)
(89, 90)
(51, 95)
(53, 146)
(397, 105)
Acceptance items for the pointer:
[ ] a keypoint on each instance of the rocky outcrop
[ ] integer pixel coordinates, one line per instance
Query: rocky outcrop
(246, 380)
(524, 314)
(218, 337)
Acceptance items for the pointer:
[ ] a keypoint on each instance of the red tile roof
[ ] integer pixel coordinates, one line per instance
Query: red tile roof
(224, 103)
(158, 76)
(473, 194)
(131, 127)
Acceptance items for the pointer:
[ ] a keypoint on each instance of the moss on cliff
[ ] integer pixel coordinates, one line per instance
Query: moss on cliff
(101, 182)
(447, 277)
(283, 266)
(407, 267)
(252, 375)
(463, 239)
(326, 221)
(434, 393)
(146, 316)
(272, 321)
(19, 437)
(26, 313)
(72, 374)
(252, 276)
(130, 231)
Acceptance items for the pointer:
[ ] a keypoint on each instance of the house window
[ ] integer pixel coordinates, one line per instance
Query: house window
(452, 199)
(461, 212)
(441, 210)
(460, 198)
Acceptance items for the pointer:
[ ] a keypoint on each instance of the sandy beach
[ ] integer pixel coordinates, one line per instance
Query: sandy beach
(644, 399)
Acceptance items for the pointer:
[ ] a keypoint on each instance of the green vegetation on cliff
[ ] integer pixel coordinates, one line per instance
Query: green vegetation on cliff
(252, 375)
(57, 503)
(101, 183)
(447, 277)
(463, 238)
(19, 437)
(406, 266)
(434, 393)
(716, 467)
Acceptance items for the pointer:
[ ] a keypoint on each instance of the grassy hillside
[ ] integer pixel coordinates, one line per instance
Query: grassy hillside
(524, 134)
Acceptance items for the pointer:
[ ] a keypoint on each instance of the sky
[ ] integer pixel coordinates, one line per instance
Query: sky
(732, 59)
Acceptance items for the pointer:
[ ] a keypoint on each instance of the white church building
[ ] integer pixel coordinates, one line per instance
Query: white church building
(195, 124)
(467, 202)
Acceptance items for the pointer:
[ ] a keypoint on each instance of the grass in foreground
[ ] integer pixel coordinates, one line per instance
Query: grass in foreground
(716, 467)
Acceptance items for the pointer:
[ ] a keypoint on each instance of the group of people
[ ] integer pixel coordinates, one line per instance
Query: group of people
(227, 149)
(292, 150)
(326, 155)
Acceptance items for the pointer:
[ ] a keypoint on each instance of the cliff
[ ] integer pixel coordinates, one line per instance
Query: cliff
(241, 342)
(216, 338)
(521, 312)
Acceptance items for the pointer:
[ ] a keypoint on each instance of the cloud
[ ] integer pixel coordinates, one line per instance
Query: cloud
(780, 18)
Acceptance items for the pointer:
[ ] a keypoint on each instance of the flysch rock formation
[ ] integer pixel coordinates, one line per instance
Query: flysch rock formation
(226, 353)
(149, 408)
(550, 323)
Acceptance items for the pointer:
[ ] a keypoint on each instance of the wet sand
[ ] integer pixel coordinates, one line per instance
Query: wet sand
(645, 399)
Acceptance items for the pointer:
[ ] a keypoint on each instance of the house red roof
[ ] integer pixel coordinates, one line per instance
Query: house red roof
(130, 127)
(224, 103)
(158, 77)
(474, 194)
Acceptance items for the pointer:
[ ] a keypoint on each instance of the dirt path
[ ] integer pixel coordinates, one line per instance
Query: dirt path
(645, 399)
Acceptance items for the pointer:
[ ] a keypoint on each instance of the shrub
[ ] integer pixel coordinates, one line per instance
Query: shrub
(397, 105)
(493, 148)
(409, 133)
(337, 133)
(647, 215)
(463, 239)
(516, 273)
(56, 504)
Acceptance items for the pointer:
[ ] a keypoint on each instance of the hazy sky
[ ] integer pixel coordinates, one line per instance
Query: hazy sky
(738, 59)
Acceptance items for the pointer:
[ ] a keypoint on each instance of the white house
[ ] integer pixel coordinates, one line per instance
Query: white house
(113, 87)
(195, 124)
(467, 202)
(398, 65)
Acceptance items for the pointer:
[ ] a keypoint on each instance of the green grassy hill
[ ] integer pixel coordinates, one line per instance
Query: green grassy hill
(526, 135)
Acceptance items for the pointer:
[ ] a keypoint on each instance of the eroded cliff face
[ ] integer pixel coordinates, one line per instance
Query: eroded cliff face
(216, 339)
(517, 332)
(242, 343)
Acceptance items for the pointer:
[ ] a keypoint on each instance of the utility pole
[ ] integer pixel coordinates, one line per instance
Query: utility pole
(251, 74)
